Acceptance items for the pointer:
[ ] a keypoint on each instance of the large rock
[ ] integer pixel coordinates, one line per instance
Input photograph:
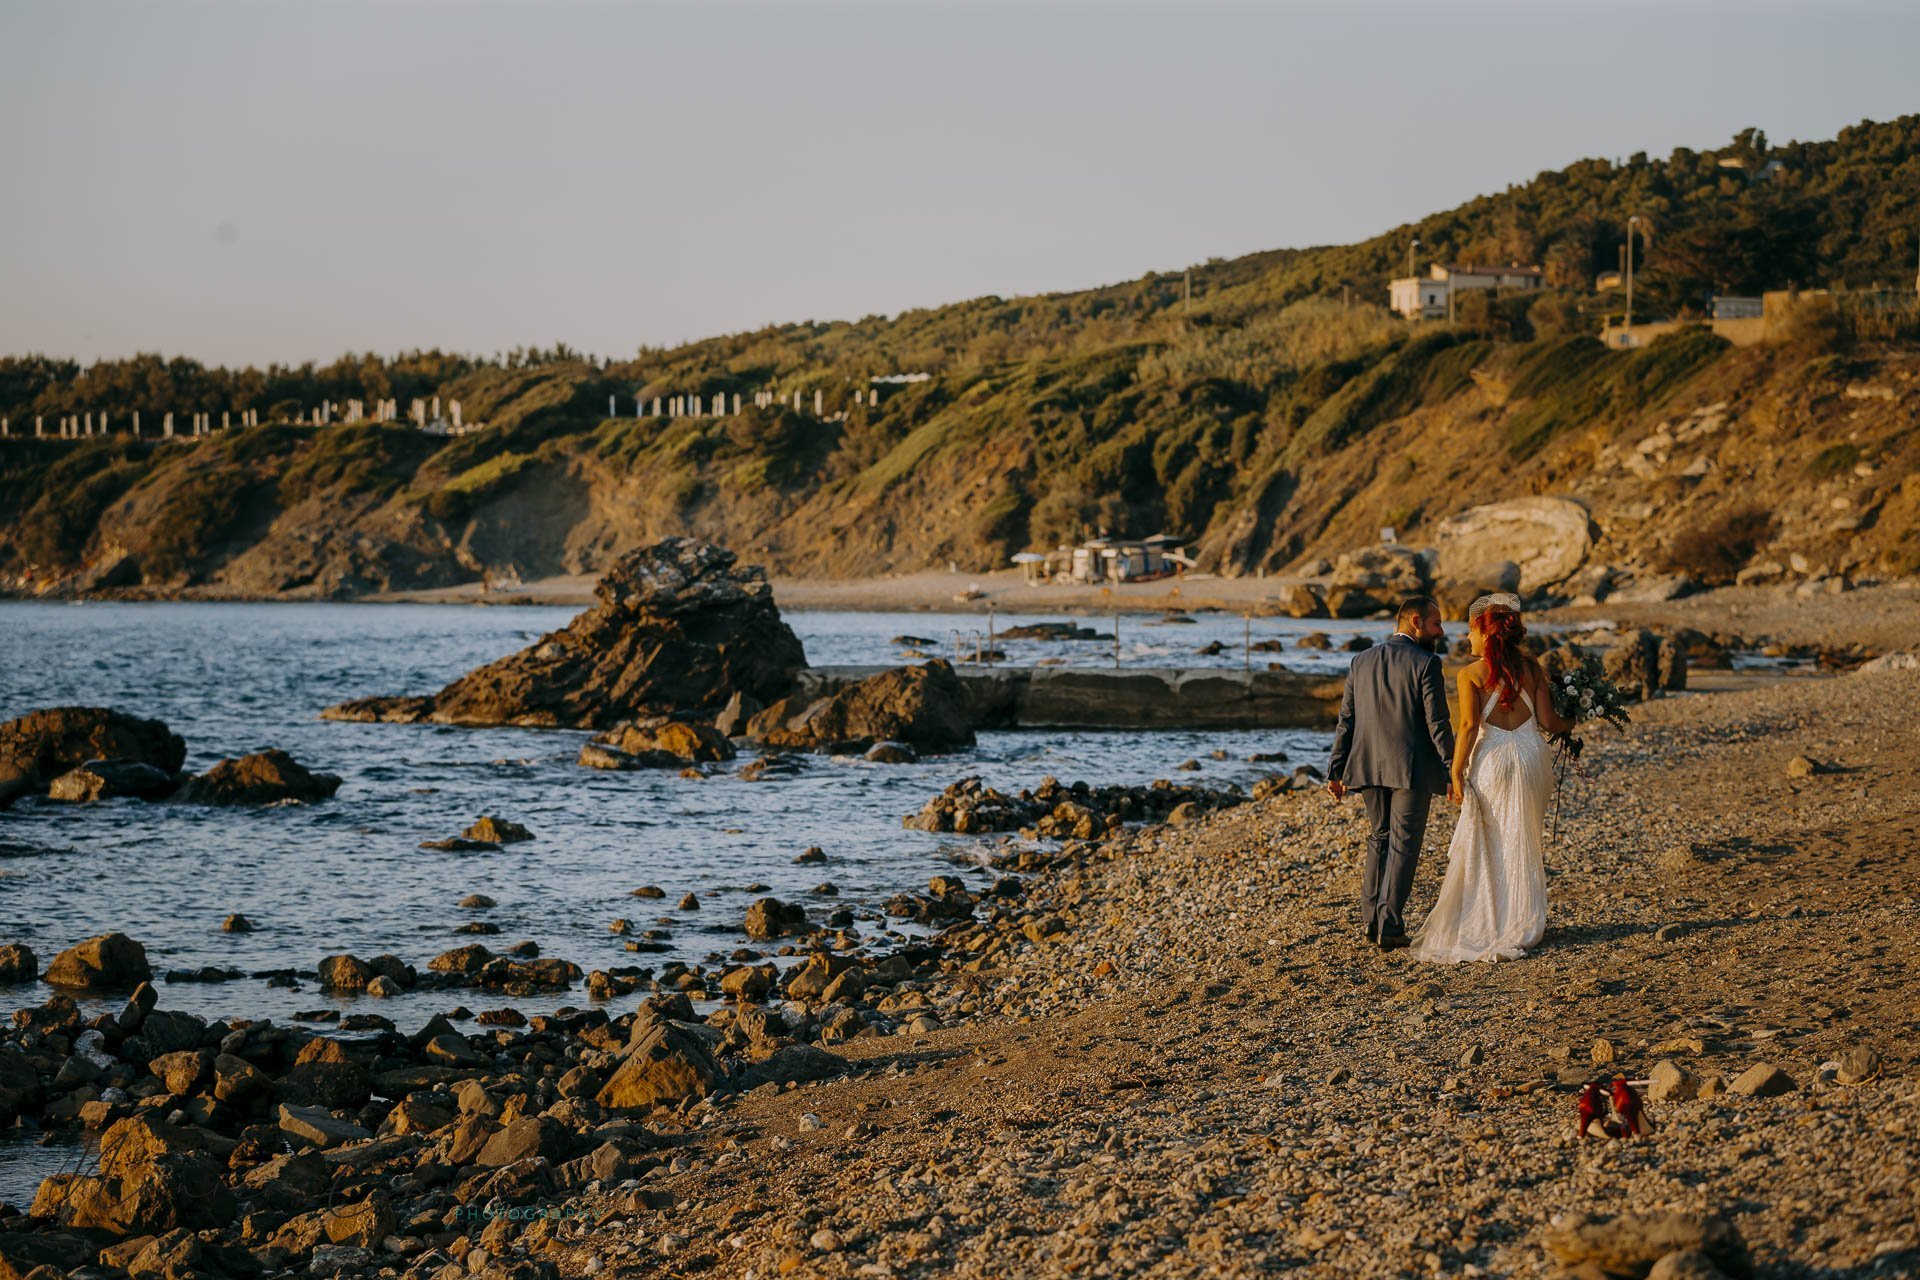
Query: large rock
(1633, 663)
(678, 628)
(109, 962)
(1303, 600)
(666, 1065)
(263, 778)
(42, 745)
(923, 706)
(1547, 538)
(153, 1177)
(178, 1191)
(1388, 570)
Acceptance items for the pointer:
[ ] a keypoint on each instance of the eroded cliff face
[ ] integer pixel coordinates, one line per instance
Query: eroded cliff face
(1766, 454)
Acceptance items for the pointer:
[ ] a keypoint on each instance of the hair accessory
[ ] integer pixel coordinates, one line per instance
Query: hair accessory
(1497, 600)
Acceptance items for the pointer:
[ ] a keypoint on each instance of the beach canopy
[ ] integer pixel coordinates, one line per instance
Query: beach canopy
(1029, 557)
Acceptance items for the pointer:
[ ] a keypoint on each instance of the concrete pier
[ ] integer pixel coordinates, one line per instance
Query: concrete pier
(1126, 697)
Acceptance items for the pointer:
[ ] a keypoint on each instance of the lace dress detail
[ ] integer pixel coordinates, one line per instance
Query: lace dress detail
(1493, 900)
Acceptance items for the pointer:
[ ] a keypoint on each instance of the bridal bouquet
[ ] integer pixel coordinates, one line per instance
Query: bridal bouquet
(1581, 693)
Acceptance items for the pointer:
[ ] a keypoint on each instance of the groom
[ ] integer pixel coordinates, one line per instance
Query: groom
(1394, 745)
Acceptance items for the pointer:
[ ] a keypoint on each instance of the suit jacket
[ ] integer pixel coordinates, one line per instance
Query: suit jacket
(1394, 730)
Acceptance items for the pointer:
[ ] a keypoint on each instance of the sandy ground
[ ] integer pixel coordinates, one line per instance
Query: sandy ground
(1209, 1073)
(920, 592)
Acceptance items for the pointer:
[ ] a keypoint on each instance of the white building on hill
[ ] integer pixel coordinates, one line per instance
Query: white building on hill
(1430, 297)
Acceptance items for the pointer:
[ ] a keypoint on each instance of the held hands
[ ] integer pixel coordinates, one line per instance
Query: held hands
(1454, 790)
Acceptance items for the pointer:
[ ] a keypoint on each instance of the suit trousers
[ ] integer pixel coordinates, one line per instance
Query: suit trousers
(1399, 821)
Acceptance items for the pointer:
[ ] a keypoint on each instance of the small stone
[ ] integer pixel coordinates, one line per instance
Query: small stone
(1801, 767)
(383, 986)
(1669, 932)
(1602, 1051)
(477, 902)
(827, 1240)
(1473, 1057)
(810, 1121)
(236, 923)
(1762, 1080)
(689, 903)
(1671, 1082)
(649, 891)
(813, 854)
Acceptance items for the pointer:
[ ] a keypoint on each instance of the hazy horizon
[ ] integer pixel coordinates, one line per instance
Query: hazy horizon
(278, 182)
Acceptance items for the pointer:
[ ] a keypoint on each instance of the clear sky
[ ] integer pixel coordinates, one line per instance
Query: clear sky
(277, 181)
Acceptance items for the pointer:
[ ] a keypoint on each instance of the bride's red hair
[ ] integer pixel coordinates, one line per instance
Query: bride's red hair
(1503, 631)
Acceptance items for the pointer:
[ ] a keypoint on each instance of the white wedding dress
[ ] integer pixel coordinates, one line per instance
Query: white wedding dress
(1493, 901)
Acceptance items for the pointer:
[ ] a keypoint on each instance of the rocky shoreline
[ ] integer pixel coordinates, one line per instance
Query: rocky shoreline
(1162, 1050)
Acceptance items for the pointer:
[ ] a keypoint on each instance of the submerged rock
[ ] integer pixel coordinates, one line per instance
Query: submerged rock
(18, 963)
(263, 778)
(678, 628)
(497, 831)
(110, 779)
(41, 745)
(674, 742)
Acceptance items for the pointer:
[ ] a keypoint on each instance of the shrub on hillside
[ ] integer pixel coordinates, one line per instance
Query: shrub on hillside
(1717, 546)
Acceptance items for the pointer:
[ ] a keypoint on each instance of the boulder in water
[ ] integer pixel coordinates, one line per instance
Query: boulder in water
(263, 778)
(924, 707)
(111, 961)
(42, 745)
(679, 628)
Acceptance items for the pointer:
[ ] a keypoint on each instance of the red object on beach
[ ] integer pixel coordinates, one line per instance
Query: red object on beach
(1593, 1107)
(1627, 1104)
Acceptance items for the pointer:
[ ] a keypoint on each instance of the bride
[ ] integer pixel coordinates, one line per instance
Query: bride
(1493, 901)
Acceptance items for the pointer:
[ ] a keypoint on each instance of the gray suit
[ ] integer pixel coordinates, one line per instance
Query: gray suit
(1394, 745)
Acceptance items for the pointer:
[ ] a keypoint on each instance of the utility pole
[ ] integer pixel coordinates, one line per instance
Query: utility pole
(1186, 296)
(1632, 222)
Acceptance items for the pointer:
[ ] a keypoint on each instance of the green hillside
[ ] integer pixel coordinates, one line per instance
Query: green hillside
(1249, 418)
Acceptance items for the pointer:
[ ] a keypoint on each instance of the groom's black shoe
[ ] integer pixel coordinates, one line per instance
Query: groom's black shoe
(1394, 941)
(1373, 932)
